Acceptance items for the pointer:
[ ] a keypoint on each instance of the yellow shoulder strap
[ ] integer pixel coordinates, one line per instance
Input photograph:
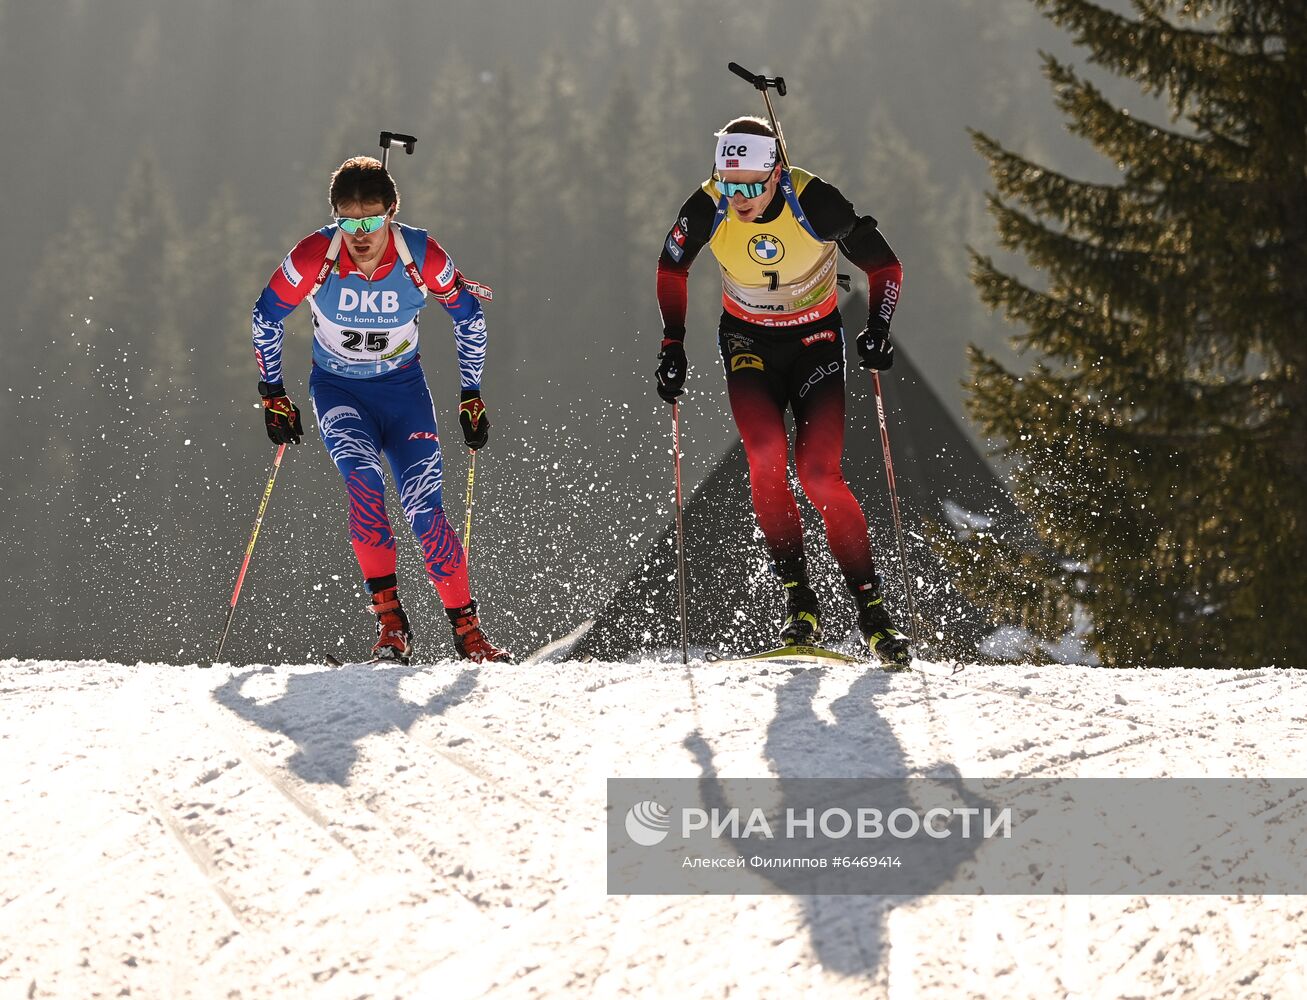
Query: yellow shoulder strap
(799, 177)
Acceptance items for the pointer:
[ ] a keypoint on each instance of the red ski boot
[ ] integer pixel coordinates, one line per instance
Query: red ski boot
(470, 642)
(394, 640)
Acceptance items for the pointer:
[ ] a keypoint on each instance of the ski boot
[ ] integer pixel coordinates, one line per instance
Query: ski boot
(394, 639)
(887, 642)
(470, 642)
(802, 623)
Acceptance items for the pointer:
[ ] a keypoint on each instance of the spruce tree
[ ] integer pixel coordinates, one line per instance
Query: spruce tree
(1159, 440)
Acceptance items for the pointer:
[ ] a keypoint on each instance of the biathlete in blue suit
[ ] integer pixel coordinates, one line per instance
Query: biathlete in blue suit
(366, 278)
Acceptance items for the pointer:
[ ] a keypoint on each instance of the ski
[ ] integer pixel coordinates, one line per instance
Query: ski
(383, 661)
(822, 656)
(935, 668)
(376, 661)
(794, 654)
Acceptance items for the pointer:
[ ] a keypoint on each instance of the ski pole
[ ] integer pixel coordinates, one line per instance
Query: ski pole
(894, 502)
(387, 138)
(766, 84)
(467, 502)
(680, 527)
(249, 551)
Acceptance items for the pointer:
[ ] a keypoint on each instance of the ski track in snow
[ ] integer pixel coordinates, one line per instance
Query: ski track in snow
(407, 832)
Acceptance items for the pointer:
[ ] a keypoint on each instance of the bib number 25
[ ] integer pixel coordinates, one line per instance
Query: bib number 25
(374, 341)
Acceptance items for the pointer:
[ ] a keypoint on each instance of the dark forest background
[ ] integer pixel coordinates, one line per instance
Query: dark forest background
(161, 158)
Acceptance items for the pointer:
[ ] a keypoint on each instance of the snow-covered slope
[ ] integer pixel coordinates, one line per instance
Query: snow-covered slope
(412, 832)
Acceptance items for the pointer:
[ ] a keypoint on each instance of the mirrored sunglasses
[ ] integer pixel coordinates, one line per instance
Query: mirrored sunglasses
(367, 225)
(753, 189)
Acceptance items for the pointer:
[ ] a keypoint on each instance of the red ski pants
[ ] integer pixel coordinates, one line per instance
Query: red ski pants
(766, 372)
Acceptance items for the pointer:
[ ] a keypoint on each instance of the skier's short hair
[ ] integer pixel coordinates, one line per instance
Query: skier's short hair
(748, 124)
(362, 179)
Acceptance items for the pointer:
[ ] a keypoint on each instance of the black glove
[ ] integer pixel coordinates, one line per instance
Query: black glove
(671, 370)
(874, 349)
(472, 417)
(280, 415)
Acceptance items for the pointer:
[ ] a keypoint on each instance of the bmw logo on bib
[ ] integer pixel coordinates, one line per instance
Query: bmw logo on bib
(766, 249)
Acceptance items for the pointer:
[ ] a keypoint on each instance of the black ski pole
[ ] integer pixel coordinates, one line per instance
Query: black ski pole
(894, 503)
(387, 140)
(766, 84)
(408, 141)
(680, 527)
(249, 551)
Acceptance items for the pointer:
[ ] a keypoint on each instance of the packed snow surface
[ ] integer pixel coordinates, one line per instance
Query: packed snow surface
(430, 831)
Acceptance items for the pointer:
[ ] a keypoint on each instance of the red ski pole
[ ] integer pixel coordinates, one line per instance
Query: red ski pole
(249, 551)
(894, 502)
(680, 527)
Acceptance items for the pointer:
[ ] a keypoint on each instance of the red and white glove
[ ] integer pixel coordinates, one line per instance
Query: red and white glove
(281, 417)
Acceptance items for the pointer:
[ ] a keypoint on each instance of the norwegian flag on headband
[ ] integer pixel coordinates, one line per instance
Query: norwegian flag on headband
(745, 151)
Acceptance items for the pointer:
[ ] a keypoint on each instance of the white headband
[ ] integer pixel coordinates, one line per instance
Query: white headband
(744, 151)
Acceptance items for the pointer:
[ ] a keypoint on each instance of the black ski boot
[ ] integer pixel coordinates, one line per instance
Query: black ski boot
(394, 639)
(470, 642)
(887, 642)
(802, 623)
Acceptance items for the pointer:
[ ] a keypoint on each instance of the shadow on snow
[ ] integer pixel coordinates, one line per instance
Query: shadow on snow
(847, 931)
(328, 712)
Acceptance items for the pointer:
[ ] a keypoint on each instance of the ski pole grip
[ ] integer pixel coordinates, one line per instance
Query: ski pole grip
(744, 74)
(409, 141)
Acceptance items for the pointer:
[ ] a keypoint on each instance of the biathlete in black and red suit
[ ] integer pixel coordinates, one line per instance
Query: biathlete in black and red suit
(775, 233)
